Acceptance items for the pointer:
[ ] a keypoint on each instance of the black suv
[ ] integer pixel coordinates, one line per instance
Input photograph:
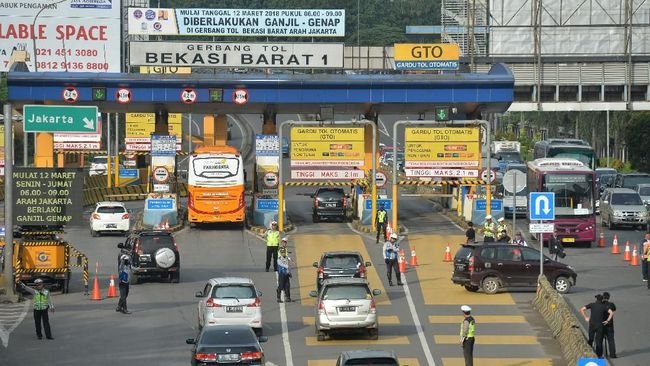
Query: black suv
(629, 180)
(153, 253)
(330, 203)
(340, 264)
(493, 266)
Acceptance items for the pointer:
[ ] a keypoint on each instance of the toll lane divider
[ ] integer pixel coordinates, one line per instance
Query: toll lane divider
(460, 182)
(563, 324)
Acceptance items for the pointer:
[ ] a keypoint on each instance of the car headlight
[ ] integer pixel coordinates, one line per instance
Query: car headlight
(644, 214)
(618, 213)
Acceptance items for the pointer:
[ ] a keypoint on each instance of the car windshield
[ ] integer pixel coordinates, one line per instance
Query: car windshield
(111, 209)
(509, 156)
(330, 194)
(633, 181)
(100, 160)
(341, 261)
(573, 193)
(372, 361)
(227, 336)
(346, 292)
(234, 291)
(150, 243)
(644, 191)
(626, 199)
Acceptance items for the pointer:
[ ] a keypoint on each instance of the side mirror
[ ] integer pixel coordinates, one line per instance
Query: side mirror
(120, 245)
(262, 339)
(368, 264)
(198, 294)
(376, 292)
(312, 195)
(315, 264)
(190, 341)
(313, 293)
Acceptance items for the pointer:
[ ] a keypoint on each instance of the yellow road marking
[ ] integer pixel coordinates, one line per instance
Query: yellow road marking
(489, 339)
(448, 361)
(402, 362)
(309, 249)
(383, 320)
(435, 275)
(480, 319)
(312, 341)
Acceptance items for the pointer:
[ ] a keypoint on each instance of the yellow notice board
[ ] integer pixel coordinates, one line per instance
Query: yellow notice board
(450, 151)
(2, 136)
(165, 70)
(426, 52)
(442, 147)
(333, 134)
(455, 134)
(142, 125)
(322, 150)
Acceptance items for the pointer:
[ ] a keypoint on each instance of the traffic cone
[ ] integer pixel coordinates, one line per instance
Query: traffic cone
(447, 257)
(601, 241)
(414, 258)
(635, 258)
(96, 293)
(401, 260)
(389, 230)
(626, 254)
(615, 249)
(112, 291)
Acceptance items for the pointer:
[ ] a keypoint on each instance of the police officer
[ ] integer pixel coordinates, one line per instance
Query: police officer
(381, 220)
(489, 229)
(609, 327)
(467, 329)
(555, 247)
(42, 304)
(390, 251)
(519, 239)
(599, 317)
(272, 243)
(284, 275)
(124, 277)
(644, 257)
(502, 231)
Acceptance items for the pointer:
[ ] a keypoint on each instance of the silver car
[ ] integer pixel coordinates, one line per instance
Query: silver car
(622, 206)
(230, 300)
(346, 304)
(643, 190)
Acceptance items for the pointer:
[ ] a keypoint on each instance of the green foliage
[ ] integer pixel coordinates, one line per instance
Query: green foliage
(637, 136)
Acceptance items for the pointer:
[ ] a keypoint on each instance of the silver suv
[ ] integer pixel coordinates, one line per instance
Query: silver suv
(346, 304)
(622, 206)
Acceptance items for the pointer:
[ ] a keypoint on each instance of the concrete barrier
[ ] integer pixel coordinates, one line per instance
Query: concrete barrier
(563, 324)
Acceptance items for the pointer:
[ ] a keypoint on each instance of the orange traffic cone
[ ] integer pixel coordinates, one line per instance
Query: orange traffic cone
(414, 258)
(615, 249)
(389, 230)
(96, 293)
(401, 260)
(635, 258)
(447, 257)
(626, 254)
(601, 241)
(112, 291)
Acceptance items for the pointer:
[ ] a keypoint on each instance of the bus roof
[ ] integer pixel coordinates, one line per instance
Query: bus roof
(558, 164)
(216, 150)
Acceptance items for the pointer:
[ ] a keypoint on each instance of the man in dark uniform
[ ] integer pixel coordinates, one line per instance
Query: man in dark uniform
(381, 220)
(600, 316)
(609, 328)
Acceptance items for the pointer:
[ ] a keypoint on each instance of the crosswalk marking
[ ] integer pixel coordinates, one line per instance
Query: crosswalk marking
(383, 320)
(435, 275)
(456, 361)
(310, 247)
(383, 340)
(480, 319)
(489, 339)
(402, 362)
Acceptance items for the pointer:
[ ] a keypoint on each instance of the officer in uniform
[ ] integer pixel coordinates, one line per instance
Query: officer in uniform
(390, 251)
(272, 244)
(42, 304)
(124, 277)
(467, 330)
(489, 229)
(502, 231)
(381, 220)
(284, 275)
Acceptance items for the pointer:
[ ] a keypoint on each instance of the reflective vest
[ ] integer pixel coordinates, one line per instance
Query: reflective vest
(470, 330)
(646, 245)
(272, 238)
(488, 229)
(41, 300)
(381, 217)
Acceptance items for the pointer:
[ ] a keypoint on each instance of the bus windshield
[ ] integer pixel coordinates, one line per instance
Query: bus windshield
(573, 193)
(215, 171)
(585, 156)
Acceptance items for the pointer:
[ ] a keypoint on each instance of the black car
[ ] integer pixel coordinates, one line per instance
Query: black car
(368, 357)
(493, 266)
(330, 203)
(153, 253)
(229, 344)
(340, 264)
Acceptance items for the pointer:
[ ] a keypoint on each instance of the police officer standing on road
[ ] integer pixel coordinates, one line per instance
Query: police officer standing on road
(390, 251)
(42, 304)
(609, 327)
(467, 329)
(470, 234)
(284, 275)
(381, 220)
(502, 231)
(599, 317)
(124, 276)
(272, 242)
(489, 229)
(555, 247)
(644, 257)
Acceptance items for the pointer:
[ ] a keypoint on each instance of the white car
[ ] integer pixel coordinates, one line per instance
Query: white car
(98, 165)
(109, 217)
(230, 300)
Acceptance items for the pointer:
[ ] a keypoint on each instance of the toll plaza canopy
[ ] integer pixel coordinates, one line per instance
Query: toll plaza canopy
(257, 93)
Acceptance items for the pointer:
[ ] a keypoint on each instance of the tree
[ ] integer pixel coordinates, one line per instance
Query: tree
(637, 135)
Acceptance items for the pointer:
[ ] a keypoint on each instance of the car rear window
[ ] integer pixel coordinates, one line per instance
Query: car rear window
(464, 253)
(111, 209)
(341, 261)
(223, 336)
(344, 292)
(98, 160)
(151, 243)
(234, 291)
(372, 362)
(330, 193)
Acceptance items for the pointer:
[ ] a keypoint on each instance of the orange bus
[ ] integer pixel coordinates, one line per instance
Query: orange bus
(215, 186)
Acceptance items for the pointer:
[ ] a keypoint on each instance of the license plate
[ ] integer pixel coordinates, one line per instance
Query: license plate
(229, 357)
(234, 309)
(111, 226)
(347, 308)
(460, 267)
(569, 240)
(330, 205)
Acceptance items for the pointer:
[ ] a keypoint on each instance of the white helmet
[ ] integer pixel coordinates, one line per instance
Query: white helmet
(273, 223)
(38, 281)
(488, 217)
(465, 309)
(124, 257)
(285, 239)
(501, 219)
(394, 236)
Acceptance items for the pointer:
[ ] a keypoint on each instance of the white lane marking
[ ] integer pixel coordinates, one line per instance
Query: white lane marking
(285, 329)
(416, 320)
(5, 332)
(452, 222)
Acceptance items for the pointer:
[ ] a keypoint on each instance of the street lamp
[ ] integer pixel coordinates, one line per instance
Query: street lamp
(34, 38)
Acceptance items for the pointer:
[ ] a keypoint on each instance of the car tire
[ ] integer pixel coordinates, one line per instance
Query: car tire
(373, 334)
(165, 258)
(562, 284)
(491, 285)
(610, 225)
(321, 335)
(94, 233)
(471, 288)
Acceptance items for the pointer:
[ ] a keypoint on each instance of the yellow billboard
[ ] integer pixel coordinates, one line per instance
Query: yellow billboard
(2, 136)
(142, 125)
(337, 134)
(443, 134)
(322, 150)
(448, 151)
(426, 52)
(442, 147)
(165, 70)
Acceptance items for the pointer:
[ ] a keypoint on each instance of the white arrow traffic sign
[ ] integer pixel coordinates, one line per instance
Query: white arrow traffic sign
(89, 123)
(542, 206)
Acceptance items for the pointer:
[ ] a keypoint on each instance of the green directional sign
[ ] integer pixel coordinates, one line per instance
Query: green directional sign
(57, 118)
(442, 113)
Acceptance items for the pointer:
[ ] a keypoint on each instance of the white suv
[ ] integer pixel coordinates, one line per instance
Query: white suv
(230, 300)
(98, 165)
(109, 217)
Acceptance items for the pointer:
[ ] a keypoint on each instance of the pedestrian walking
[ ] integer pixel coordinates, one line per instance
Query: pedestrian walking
(272, 236)
(284, 276)
(467, 330)
(124, 277)
(644, 257)
(600, 315)
(502, 231)
(556, 248)
(519, 239)
(609, 328)
(42, 304)
(470, 234)
(489, 229)
(381, 221)
(390, 251)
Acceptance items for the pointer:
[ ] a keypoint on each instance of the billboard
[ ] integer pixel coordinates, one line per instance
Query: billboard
(67, 35)
(256, 55)
(237, 22)
(426, 56)
(142, 125)
(442, 147)
(322, 144)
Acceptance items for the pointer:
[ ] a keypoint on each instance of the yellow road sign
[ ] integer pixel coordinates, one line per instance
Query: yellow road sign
(312, 150)
(142, 125)
(165, 70)
(452, 134)
(426, 52)
(338, 134)
(424, 151)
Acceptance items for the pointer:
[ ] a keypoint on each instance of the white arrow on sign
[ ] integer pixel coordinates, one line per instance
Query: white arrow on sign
(89, 123)
(538, 205)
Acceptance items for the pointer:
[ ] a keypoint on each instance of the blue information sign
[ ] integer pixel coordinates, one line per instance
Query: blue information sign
(128, 173)
(481, 205)
(160, 204)
(541, 206)
(388, 204)
(264, 204)
(591, 362)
